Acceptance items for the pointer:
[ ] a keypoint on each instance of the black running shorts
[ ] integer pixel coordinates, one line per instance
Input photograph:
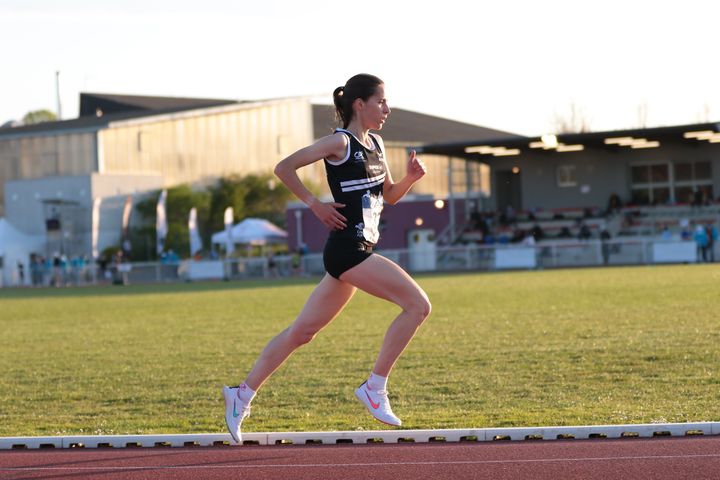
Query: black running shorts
(342, 254)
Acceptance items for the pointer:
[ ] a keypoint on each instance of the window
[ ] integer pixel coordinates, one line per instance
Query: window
(702, 171)
(650, 183)
(659, 173)
(691, 177)
(683, 194)
(661, 195)
(683, 171)
(641, 196)
(641, 174)
(566, 176)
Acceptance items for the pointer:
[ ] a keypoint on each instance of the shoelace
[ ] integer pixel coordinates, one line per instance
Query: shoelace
(245, 409)
(384, 400)
(245, 412)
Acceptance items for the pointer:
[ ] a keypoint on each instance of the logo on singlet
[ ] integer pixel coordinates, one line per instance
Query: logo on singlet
(359, 156)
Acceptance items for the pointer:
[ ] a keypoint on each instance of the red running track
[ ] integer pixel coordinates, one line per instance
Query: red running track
(652, 458)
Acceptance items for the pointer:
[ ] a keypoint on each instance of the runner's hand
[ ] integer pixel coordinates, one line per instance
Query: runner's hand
(416, 168)
(327, 213)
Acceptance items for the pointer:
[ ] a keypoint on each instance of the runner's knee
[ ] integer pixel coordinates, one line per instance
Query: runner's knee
(419, 308)
(299, 336)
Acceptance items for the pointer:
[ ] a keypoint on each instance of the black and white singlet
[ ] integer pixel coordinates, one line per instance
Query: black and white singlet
(357, 182)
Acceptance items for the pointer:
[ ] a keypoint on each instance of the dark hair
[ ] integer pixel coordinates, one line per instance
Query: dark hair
(361, 86)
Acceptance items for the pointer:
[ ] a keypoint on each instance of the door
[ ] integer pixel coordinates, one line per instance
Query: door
(508, 190)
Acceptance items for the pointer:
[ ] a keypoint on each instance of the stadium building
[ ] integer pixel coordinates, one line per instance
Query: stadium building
(69, 180)
(637, 182)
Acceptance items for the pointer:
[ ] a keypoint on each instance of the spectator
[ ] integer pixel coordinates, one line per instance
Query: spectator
(605, 245)
(57, 269)
(712, 235)
(585, 233)
(614, 204)
(537, 232)
(21, 273)
(701, 240)
(697, 198)
(666, 234)
(297, 263)
(565, 233)
(518, 236)
(272, 265)
(36, 270)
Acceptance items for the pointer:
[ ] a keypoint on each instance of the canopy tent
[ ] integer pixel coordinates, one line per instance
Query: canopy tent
(16, 247)
(252, 231)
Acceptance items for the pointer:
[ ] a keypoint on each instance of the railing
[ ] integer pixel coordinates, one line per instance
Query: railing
(557, 254)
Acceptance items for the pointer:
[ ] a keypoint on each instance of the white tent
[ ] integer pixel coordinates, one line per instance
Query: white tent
(253, 231)
(15, 247)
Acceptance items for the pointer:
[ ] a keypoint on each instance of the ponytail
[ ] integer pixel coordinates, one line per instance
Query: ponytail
(343, 108)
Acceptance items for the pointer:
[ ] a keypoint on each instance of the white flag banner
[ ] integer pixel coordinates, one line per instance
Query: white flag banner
(195, 241)
(96, 226)
(229, 219)
(126, 225)
(127, 210)
(161, 227)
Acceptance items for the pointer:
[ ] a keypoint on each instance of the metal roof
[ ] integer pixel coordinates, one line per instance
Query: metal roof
(487, 149)
(410, 127)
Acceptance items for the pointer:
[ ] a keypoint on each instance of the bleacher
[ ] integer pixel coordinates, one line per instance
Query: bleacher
(653, 220)
(559, 223)
(565, 223)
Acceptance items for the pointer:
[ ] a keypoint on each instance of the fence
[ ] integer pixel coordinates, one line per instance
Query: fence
(558, 254)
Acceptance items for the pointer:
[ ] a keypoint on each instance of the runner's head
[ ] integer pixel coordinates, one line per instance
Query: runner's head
(361, 86)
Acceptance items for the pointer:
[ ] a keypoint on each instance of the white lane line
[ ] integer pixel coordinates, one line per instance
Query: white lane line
(373, 464)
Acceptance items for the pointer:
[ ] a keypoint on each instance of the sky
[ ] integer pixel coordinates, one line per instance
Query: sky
(510, 65)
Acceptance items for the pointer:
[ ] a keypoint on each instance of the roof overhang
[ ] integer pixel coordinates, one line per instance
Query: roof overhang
(487, 151)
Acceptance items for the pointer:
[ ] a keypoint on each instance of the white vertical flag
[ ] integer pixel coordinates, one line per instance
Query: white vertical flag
(161, 227)
(126, 225)
(195, 241)
(229, 219)
(96, 226)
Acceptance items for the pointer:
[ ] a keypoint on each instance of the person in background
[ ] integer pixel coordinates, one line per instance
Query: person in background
(712, 235)
(605, 245)
(21, 273)
(360, 182)
(701, 240)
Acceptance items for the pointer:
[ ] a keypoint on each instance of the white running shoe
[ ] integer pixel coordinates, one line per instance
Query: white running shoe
(377, 403)
(235, 411)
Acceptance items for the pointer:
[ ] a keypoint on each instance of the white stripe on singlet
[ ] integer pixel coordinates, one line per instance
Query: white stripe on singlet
(364, 185)
(347, 183)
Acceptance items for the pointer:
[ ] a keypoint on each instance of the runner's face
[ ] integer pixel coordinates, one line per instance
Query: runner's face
(375, 110)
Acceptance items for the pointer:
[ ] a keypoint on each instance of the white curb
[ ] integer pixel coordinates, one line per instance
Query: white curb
(367, 436)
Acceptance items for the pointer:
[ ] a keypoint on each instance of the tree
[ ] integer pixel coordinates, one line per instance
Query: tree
(261, 196)
(229, 192)
(251, 196)
(39, 116)
(574, 121)
(266, 198)
(180, 200)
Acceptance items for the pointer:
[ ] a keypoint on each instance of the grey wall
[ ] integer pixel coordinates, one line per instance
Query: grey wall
(603, 171)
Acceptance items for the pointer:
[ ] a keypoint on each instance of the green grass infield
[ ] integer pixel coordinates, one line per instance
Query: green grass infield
(540, 348)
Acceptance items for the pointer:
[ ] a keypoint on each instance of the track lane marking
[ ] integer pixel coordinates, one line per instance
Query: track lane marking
(372, 464)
